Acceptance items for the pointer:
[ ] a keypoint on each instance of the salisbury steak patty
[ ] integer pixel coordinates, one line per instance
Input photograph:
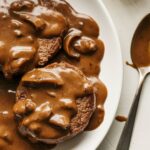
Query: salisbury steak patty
(54, 103)
(29, 30)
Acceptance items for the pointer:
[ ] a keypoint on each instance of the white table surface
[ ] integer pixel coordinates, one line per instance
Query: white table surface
(126, 14)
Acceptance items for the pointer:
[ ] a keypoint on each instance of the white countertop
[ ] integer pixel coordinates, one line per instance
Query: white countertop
(126, 14)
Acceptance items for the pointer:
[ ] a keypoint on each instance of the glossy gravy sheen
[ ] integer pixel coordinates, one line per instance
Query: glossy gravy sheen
(19, 39)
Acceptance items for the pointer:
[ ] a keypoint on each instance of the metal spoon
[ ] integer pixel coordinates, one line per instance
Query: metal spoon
(124, 142)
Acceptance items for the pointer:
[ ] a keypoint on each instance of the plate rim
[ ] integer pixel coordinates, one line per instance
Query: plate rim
(121, 73)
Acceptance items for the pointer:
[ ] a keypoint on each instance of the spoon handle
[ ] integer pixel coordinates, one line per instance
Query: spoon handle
(126, 135)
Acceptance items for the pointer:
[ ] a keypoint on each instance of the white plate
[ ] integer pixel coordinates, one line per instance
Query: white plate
(111, 74)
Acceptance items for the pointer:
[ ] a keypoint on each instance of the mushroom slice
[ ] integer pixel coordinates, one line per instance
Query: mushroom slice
(75, 43)
(72, 35)
(41, 113)
(85, 45)
(38, 22)
(21, 5)
(42, 76)
(60, 120)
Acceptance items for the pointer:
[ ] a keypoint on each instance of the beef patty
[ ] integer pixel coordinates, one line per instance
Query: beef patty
(54, 103)
(27, 34)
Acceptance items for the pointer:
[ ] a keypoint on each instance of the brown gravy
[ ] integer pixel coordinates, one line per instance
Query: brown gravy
(140, 49)
(121, 118)
(98, 115)
(8, 129)
(73, 52)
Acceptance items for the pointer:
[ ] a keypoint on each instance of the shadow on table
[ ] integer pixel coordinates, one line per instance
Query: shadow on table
(128, 2)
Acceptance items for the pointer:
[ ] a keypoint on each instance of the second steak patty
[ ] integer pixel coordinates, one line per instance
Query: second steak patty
(59, 109)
